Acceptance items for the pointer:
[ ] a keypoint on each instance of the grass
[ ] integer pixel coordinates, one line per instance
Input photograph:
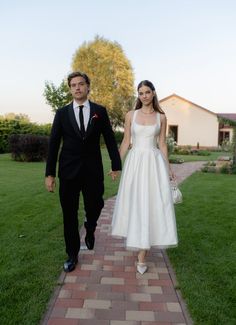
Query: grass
(205, 261)
(213, 156)
(31, 240)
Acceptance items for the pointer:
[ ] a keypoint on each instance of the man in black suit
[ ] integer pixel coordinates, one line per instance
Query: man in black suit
(79, 126)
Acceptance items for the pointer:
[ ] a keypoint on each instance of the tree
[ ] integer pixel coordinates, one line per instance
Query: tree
(224, 120)
(57, 97)
(112, 78)
(13, 116)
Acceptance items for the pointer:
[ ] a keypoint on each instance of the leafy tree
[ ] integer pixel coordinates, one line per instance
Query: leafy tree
(57, 97)
(112, 78)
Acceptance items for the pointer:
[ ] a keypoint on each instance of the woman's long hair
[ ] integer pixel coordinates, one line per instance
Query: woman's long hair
(155, 102)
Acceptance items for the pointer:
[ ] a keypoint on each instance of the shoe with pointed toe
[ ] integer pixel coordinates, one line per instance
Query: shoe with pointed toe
(90, 240)
(141, 268)
(70, 264)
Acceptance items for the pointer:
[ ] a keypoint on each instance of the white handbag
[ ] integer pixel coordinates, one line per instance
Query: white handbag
(176, 193)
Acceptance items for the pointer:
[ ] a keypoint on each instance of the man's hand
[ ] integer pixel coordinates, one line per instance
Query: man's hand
(114, 174)
(50, 183)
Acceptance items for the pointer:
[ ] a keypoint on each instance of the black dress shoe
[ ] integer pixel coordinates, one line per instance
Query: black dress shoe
(70, 264)
(90, 240)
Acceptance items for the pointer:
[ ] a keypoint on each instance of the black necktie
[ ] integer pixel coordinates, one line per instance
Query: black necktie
(81, 120)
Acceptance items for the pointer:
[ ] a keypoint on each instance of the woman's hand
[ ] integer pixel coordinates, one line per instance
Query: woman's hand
(172, 175)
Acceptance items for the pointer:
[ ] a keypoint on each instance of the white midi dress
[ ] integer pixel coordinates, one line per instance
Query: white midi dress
(144, 211)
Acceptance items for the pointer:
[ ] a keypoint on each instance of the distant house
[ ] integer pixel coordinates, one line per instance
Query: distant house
(194, 125)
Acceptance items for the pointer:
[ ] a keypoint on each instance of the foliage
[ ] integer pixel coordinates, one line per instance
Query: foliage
(176, 160)
(19, 126)
(112, 78)
(28, 147)
(57, 97)
(226, 145)
(171, 144)
(13, 116)
(223, 120)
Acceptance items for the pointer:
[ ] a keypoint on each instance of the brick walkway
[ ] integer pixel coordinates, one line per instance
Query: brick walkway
(105, 288)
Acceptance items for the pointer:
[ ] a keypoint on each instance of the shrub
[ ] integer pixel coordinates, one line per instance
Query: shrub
(176, 160)
(203, 153)
(28, 147)
(225, 169)
(171, 144)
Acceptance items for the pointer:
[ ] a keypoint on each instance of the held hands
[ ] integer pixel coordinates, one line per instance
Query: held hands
(114, 174)
(50, 183)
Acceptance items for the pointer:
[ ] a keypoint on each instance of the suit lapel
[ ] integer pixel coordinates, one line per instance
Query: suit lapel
(73, 120)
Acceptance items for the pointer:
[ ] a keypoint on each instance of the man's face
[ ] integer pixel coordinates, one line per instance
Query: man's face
(79, 89)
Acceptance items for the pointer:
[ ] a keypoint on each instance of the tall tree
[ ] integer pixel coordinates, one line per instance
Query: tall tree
(111, 74)
(112, 78)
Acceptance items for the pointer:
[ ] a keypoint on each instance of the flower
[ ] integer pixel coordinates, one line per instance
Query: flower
(94, 116)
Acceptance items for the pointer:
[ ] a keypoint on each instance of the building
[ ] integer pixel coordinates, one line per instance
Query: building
(194, 125)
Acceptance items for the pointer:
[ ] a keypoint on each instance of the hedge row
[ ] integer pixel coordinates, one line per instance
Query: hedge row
(8, 127)
(28, 147)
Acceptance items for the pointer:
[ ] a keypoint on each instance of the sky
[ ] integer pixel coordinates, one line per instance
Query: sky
(186, 47)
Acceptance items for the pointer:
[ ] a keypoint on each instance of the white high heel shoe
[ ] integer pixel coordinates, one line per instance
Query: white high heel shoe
(141, 268)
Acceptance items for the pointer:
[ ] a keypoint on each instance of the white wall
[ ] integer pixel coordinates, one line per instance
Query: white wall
(195, 125)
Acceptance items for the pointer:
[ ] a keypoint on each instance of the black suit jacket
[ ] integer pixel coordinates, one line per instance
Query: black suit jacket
(76, 150)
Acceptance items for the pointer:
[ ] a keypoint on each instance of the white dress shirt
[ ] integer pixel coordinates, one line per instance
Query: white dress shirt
(86, 112)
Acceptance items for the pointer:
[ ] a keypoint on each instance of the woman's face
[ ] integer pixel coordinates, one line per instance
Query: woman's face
(145, 94)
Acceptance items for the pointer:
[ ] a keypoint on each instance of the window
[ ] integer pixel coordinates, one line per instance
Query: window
(223, 136)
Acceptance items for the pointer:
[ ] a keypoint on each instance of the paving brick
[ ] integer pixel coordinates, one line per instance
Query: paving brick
(62, 321)
(174, 306)
(65, 293)
(117, 296)
(115, 314)
(169, 317)
(69, 303)
(164, 298)
(140, 315)
(153, 289)
(58, 312)
(125, 305)
(97, 304)
(70, 279)
(80, 313)
(76, 294)
(139, 297)
(126, 288)
(153, 306)
(107, 280)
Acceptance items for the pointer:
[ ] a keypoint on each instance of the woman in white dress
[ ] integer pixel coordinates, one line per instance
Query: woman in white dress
(144, 211)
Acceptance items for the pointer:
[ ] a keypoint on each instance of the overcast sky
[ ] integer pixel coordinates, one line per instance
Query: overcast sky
(187, 47)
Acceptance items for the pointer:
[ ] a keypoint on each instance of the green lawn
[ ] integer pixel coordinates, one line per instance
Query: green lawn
(213, 156)
(205, 261)
(31, 240)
